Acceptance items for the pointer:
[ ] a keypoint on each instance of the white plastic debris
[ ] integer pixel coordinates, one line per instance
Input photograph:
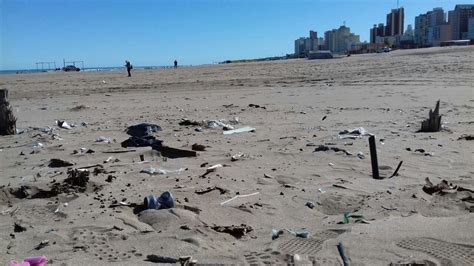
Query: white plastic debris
(221, 123)
(239, 130)
(354, 134)
(104, 139)
(214, 167)
(361, 155)
(63, 124)
(159, 171)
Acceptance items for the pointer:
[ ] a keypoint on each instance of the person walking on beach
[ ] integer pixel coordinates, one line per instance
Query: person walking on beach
(129, 67)
(175, 64)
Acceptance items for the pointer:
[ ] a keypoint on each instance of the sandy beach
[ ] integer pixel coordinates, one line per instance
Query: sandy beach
(296, 107)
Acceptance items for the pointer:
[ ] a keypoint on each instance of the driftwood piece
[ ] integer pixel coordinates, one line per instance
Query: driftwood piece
(433, 123)
(7, 119)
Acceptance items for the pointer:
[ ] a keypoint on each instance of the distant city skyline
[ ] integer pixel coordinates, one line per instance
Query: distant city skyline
(149, 33)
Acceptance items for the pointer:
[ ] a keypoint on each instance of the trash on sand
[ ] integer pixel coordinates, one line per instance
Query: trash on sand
(173, 153)
(239, 130)
(63, 124)
(143, 129)
(31, 261)
(54, 163)
(360, 155)
(309, 204)
(159, 171)
(221, 123)
(303, 233)
(145, 141)
(322, 190)
(211, 169)
(188, 122)
(335, 149)
(354, 133)
(209, 189)
(442, 188)
(164, 201)
(239, 196)
(237, 156)
(198, 147)
(161, 259)
(237, 231)
(43, 244)
(104, 139)
(466, 137)
(358, 218)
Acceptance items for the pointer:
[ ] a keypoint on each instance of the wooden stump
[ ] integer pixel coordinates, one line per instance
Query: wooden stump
(433, 123)
(7, 119)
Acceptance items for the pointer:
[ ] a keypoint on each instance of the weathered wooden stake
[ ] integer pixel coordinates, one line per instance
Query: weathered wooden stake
(7, 119)
(373, 158)
(433, 123)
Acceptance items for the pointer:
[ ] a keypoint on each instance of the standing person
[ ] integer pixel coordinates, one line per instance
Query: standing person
(175, 64)
(129, 67)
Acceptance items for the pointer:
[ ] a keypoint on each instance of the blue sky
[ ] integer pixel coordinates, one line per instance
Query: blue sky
(105, 32)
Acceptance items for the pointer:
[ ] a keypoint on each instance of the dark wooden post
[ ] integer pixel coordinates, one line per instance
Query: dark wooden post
(433, 123)
(7, 119)
(373, 158)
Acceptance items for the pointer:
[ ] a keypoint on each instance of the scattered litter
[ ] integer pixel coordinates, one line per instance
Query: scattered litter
(54, 163)
(322, 190)
(466, 137)
(221, 123)
(145, 141)
(303, 233)
(104, 139)
(310, 205)
(237, 231)
(212, 169)
(267, 176)
(326, 148)
(239, 196)
(209, 189)
(112, 159)
(159, 171)
(79, 108)
(360, 155)
(442, 188)
(17, 228)
(354, 133)
(142, 130)
(358, 218)
(164, 201)
(257, 106)
(239, 130)
(63, 124)
(188, 122)
(173, 153)
(198, 147)
(41, 245)
(161, 259)
(237, 156)
(31, 261)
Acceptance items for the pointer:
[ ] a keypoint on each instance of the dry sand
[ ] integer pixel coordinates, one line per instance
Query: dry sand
(387, 94)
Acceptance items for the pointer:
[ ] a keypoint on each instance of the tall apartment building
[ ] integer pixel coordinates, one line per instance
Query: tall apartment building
(377, 31)
(431, 28)
(470, 27)
(304, 45)
(395, 22)
(459, 20)
(340, 40)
